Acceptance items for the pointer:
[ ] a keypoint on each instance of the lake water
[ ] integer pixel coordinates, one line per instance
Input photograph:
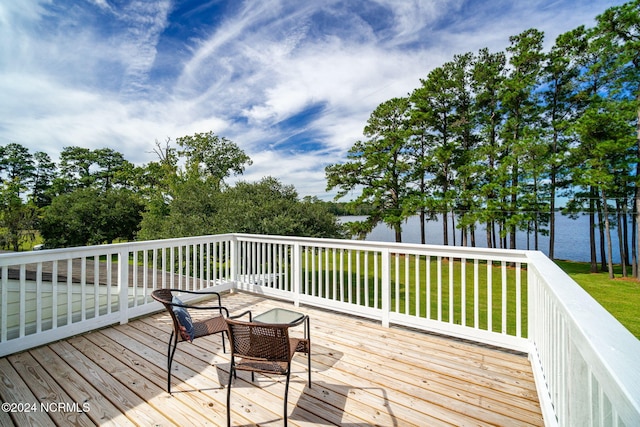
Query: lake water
(572, 237)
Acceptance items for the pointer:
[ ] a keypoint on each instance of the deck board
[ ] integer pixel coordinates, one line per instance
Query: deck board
(362, 374)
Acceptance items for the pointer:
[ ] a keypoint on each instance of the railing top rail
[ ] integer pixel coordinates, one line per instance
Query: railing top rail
(441, 250)
(10, 258)
(436, 250)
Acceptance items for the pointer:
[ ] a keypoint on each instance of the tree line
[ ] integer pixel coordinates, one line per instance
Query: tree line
(97, 196)
(494, 139)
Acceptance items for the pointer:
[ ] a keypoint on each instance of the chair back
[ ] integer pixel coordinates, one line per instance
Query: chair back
(165, 297)
(259, 340)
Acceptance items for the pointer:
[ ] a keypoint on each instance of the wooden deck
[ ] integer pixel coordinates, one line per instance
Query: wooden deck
(362, 374)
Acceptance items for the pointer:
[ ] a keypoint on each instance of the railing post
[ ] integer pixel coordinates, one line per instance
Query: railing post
(386, 286)
(296, 268)
(123, 284)
(233, 258)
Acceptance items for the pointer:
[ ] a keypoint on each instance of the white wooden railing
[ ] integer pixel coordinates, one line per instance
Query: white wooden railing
(585, 362)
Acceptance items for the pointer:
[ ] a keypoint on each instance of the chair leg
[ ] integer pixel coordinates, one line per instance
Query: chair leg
(286, 394)
(309, 361)
(231, 374)
(170, 353)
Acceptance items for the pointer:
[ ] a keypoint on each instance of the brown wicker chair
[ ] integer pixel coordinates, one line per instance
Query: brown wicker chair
(186, 330)
(263, 348)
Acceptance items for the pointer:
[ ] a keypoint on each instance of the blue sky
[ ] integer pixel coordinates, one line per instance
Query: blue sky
(291, 82)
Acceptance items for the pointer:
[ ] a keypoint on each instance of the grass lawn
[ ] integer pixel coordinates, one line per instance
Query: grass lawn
(619, 296)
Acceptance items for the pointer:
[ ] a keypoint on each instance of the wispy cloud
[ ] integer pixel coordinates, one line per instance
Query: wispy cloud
(291, 82)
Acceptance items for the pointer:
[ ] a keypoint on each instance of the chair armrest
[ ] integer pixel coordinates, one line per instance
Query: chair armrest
(241, 314)
(182, 291)
(218, 307)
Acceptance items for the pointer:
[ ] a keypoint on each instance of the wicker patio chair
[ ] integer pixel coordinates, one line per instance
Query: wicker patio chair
(184, 328)
(263, 348)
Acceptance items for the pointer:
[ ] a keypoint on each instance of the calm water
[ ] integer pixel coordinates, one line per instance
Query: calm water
(572, 237)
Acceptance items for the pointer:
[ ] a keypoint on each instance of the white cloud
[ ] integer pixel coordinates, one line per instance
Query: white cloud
(86, 73)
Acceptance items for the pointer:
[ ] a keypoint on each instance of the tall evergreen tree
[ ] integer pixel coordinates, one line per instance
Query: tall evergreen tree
(561, 107)
(489, 72)
(380, 166)
(521, 110)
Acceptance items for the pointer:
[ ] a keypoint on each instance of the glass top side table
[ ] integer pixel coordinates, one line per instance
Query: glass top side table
(284, 316)
(280, 315)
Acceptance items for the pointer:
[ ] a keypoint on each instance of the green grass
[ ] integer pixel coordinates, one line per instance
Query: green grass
(619, 296)
(405, 280)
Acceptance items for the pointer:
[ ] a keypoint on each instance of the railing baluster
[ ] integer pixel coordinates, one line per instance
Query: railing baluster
(314, 274)
(386, 286)
(376, 281)
(417, 285)
(39, 304)
(439, 285)
(503, 265)
(350, 277)
(428, 285)
(5, 305)
(327, 275)
(463, 291)
(69, 291)
(476, 293)
(154, 280)
(334, 282)
(489, 296)
(96, 286)
(366, 279)
(22, 302)
(451, 291)
(305, 283)
(518, 300)
(54, 294)
(407, 285)
(109, 283)
(396, 257)
(83, 291)
(358, 276)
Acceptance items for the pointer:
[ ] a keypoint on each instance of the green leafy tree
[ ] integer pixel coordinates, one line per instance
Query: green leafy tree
(185, 201)
(16, 163)
(17, 219)
(89, 216)
(189, 210)
(209, 155)
(379, 167)
(111, 169)
(269, 207)
(75, 169)
(43, 176)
